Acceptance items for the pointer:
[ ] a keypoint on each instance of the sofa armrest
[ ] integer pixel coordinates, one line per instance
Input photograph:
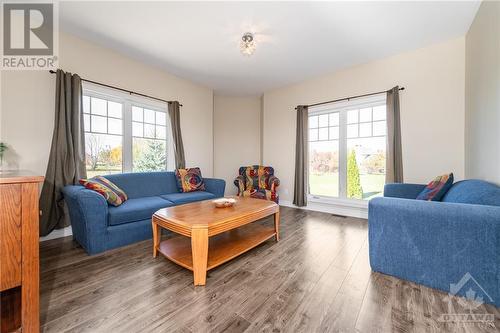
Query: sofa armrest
(272, 183)
(239, 182)
(215, 186)
(88, 211)
(405, 191)
(436, 243)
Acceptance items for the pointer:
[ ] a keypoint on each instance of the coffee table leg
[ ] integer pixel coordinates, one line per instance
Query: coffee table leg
(199, 248)
(277, 225)
(156, 238)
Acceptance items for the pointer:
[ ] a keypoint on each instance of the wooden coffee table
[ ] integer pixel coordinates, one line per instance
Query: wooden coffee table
(210, 236)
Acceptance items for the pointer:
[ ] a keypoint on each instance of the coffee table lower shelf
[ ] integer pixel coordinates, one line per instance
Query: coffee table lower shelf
(222, 247)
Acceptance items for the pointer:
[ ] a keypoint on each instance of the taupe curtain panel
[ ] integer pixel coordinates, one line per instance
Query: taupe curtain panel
(301, 156)
(67, 152)
(175, 120)
(394, 159)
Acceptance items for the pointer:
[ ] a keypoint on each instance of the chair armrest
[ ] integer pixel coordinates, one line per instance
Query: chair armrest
(215, 186)
(240, 184)
(405, 191)
(435, 243)
(88, 211)
(272, 183)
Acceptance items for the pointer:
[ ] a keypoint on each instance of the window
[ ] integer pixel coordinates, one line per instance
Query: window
(124, 133)
(103, 123)
(347, 143)
(324, 135)
(149, 134)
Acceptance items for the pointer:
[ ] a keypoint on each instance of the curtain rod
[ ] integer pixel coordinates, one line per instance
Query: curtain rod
(349, 98)
(121, 89)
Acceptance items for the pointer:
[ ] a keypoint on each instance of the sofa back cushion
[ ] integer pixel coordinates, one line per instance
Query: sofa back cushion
(145, 184)
(474, 191)
(256, 176)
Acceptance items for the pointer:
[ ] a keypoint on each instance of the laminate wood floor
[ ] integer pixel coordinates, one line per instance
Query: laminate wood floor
(316, 279)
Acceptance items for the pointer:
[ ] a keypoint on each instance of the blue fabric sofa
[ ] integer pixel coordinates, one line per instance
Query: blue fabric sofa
(437, 243)
(98, 226)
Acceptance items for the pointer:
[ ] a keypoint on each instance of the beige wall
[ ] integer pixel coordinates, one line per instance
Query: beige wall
(482, 93)
(27, 100)
(432, 110)
(237, 136)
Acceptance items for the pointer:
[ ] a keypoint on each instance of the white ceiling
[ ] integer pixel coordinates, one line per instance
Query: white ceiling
(296, 40)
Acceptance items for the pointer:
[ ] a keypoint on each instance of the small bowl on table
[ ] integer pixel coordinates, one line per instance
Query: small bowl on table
(224, 202)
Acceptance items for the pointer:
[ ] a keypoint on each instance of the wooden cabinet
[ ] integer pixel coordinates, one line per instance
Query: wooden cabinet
(19, 259)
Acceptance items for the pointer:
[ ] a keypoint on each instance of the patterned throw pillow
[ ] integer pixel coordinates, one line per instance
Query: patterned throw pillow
(437, 188)
(189, 180)
(112, 193)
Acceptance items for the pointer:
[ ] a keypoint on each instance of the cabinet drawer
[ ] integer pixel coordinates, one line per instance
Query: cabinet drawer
(10, 236)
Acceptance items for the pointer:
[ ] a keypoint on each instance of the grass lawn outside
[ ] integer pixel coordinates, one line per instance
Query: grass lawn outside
(102, 172)
(328, 185)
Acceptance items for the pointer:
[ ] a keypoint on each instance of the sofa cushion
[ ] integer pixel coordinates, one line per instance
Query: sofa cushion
(145, 184)
(136, 209)
(437, 188)
(474, 191)
(261, 194)
(182, 198)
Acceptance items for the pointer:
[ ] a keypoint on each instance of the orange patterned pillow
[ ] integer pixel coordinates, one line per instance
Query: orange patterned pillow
(112, 193)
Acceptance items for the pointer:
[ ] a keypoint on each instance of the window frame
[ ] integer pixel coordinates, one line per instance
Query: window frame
(343, 107)
(128, 100)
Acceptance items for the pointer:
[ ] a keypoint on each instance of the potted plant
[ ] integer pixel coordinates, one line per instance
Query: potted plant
(3, 148)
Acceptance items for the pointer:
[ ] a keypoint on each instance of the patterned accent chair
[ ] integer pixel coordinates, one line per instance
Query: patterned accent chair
(257, 181)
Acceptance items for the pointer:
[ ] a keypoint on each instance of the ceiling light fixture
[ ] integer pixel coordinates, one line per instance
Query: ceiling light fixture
(247, 44)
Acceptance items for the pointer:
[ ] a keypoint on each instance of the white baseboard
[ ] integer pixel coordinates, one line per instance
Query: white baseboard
(359, 212)
(58, 233)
